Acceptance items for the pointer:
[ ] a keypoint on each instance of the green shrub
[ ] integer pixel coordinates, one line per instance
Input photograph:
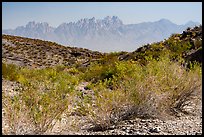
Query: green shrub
(45, 97)
(142, 90)
(10, 71)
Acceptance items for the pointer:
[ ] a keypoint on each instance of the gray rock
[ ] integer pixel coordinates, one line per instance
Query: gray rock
(155, 130)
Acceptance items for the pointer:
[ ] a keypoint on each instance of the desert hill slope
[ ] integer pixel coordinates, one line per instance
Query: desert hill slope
(38, 53)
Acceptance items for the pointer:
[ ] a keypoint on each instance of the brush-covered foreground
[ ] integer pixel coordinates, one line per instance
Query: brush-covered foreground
(116, 91)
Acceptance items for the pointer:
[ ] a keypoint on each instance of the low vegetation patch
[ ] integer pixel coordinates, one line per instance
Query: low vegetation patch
(121, 89)
(153, 90)
(44, 98)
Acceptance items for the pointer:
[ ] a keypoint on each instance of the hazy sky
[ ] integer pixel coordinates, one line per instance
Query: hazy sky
(20, 13)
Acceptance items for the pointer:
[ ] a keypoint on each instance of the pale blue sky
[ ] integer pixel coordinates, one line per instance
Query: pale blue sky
(20, 13)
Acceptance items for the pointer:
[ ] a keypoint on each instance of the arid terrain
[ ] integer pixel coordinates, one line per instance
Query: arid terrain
(48, 88)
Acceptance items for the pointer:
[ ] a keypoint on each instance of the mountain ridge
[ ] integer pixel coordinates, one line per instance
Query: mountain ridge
(106, 35)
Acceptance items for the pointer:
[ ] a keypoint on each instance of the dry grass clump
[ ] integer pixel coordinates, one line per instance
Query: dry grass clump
(10, 71)
(153, 90)
(45, 96)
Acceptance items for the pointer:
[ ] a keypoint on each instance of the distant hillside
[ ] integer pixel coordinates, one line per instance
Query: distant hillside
(37, 53)
(106, 35)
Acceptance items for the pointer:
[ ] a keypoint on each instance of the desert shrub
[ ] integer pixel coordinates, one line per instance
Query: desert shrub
(44, 108)
(60, 68)
(189, 88)
(179, 47)
(10, 71)
(99, 110)
(16, 116)
(45, 96)
(73, 71)
(105, 69)
(34, 112)
(154, 51)
(153, 90)
(98, 72)
(93, 72)
(198, 43)
(166, 79)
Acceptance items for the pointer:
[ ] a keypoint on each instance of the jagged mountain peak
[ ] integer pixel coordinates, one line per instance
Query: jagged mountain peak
(86, 21)
(33, 24)
(30, 24)
(112, 20)
(106, 34)
(107, 21)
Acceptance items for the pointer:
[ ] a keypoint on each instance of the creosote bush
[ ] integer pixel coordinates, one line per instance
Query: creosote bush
(45, 96)
(153, 90)
(10, 71)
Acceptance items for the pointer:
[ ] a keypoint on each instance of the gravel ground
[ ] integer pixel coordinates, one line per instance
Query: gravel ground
(181, 125)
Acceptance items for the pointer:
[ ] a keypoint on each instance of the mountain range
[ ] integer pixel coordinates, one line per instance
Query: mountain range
(105, 35)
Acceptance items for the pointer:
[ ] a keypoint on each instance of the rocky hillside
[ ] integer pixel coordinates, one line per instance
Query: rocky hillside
(37, 53)
(187, 45)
